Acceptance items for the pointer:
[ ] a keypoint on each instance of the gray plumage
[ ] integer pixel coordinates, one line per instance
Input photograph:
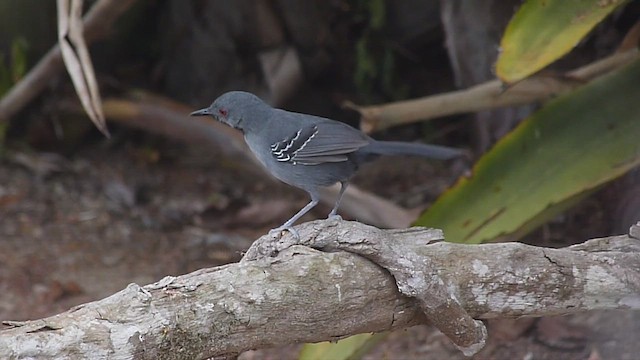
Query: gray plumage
(307, 151)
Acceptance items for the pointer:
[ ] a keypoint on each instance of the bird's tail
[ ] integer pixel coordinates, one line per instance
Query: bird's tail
(404, 148)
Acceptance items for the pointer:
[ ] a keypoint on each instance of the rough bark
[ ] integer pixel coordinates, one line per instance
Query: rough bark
(304, 295)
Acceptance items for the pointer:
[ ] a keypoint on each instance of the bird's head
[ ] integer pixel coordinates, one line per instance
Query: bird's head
(237, 109)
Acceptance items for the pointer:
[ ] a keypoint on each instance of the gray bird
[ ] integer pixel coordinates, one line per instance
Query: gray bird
(307, 151)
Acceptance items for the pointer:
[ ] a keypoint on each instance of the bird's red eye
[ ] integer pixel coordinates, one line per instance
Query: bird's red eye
(223, 112)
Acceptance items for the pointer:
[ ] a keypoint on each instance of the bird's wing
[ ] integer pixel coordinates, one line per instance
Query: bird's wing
(319, 143)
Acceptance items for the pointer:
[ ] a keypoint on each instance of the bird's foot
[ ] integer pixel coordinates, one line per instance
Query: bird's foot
(290, 229)
(333, 216)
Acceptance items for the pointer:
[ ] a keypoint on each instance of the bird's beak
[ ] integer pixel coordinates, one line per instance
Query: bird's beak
(201, 112)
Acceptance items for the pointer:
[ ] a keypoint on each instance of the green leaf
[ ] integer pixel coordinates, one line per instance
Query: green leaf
(353, 347)
(544, 30)
(366, 69)
(567, 149)
(377, 12)
(13, 70)
(19, 48)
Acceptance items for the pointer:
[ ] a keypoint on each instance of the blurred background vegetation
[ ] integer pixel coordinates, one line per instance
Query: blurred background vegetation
(560, 167)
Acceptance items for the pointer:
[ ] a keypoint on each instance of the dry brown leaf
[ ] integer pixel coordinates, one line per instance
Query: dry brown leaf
(77, 60)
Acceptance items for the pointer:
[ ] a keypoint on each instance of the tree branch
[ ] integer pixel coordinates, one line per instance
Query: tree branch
(304, 295)
(489, 95)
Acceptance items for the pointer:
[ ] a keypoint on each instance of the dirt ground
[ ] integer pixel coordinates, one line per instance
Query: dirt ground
(78, 229)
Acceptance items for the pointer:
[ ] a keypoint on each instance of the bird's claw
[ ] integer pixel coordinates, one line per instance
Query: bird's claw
(334, 217)
(290, 229)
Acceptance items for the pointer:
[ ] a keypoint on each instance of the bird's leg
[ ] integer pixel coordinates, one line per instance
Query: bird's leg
(289, 224)
(343, 187)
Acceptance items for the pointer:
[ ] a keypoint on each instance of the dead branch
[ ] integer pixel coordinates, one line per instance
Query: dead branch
(97, 24)
(488, 95)
(304, 295)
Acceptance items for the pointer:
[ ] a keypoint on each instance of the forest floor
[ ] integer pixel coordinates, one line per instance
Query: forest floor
(73, 230)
